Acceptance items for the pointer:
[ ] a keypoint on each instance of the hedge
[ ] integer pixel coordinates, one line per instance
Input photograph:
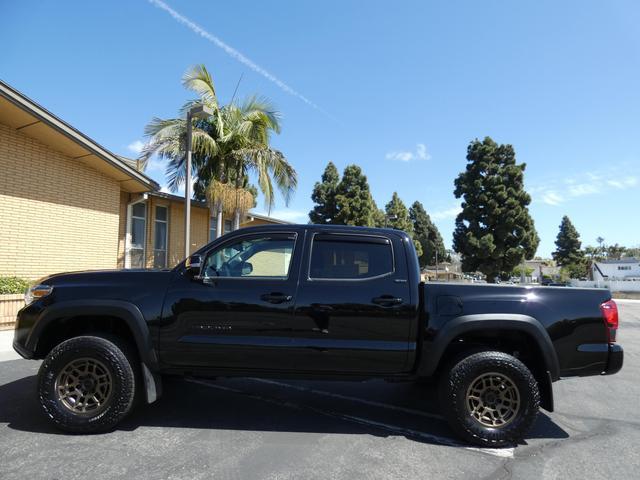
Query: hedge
(10, 285)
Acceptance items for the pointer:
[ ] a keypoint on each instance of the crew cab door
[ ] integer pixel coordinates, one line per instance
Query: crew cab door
(239, 313)
(354, 309)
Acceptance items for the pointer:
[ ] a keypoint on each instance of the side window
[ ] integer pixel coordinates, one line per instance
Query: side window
(350, 257)
(266, 256)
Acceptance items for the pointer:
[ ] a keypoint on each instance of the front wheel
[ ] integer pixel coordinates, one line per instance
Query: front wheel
(87, 385)
(490, 399)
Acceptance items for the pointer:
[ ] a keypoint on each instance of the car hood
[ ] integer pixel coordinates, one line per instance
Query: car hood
(106, 276)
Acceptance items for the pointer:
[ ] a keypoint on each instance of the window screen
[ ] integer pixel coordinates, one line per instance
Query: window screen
(350, 257)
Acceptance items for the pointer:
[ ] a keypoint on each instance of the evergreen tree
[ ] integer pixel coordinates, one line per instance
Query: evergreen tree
(324, 196)
(353, 199)
(427, 234)
(398, 218)
(379, 217)
(494, 231)
(568, 245)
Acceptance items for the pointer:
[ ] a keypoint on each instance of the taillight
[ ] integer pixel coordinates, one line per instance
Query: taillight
(610, 315)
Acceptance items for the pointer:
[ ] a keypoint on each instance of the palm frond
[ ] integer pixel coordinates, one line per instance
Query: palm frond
(198, 79)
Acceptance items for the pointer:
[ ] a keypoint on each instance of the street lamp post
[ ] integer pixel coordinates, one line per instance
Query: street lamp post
(198, 111)
(389, 217)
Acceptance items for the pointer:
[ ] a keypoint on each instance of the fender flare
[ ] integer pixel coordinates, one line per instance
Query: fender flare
(126, 311)
(434, 349)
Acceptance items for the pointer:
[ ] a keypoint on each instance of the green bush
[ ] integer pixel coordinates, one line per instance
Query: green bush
(12, 285)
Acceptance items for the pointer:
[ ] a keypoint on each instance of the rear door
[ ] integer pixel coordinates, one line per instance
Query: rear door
(354, 309)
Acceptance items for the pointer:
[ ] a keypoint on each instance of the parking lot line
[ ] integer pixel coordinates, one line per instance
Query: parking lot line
(396, 430)
(372, 403)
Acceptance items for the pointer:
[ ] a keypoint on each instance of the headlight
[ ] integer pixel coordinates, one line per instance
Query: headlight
(36, 292)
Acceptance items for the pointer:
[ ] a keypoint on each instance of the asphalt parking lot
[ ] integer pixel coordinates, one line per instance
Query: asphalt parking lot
(249, 428)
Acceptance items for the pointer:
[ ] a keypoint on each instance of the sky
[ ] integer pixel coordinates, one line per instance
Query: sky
(399, 88)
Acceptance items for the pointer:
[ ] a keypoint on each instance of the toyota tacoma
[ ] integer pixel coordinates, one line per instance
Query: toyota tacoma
(310, 301)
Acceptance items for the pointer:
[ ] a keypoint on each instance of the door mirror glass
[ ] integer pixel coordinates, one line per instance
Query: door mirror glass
(247, 269)
(193, 264)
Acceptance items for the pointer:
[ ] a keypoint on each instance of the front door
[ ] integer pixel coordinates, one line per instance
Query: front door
(354, 310)
(239, 314)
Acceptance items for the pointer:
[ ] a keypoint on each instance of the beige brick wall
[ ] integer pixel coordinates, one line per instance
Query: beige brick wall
(199, 231)
(56, 214)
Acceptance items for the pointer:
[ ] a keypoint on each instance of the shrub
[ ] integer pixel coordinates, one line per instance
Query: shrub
(12, 285)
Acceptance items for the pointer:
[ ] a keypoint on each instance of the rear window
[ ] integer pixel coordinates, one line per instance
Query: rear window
(350, 257)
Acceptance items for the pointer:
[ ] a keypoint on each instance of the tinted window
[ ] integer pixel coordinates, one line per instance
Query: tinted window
(350, 257)
(251, 257)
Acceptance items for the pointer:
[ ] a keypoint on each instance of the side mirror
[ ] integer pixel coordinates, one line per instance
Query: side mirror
(247, 268)
(193, 264)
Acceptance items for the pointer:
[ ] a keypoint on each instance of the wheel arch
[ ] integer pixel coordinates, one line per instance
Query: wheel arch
(124, 314)
(492, 330)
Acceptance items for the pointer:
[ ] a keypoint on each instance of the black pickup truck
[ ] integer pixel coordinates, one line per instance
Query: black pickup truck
(309, 301)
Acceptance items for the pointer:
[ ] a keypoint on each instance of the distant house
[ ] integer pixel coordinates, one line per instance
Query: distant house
(622, 269)
(540, 269)
(67, 203)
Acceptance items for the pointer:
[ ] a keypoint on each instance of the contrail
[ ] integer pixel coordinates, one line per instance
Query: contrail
(194, 27)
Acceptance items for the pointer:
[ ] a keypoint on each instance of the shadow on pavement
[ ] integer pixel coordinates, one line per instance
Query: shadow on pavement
(251, 406)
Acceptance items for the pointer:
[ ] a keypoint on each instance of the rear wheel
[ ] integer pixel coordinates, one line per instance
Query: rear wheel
(490, 399)
(87, 384)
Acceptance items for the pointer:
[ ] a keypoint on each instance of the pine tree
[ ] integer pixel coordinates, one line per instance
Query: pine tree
(397, 217)
(324, 196)
(568, 245)
(379, 217)
(494, 231)
(427, 234)
(353, 199)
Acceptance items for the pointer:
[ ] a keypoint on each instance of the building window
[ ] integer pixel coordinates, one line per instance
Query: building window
(226, 227)
(624, 267)
(137, 235)
(161, 231)
(212, 229)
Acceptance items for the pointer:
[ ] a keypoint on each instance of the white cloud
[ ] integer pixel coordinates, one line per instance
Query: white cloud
(552, 198)
(165, 189)
(580, 185)
(622, 184)
(420, 153)
(155, 164)
(446, 214)
(582, 189)
(136, 147)
(232, 52)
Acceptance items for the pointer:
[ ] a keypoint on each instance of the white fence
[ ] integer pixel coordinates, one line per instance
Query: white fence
(613, 285)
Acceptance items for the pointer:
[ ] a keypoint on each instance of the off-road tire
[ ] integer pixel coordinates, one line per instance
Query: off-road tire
(455, 396)
(110, 356)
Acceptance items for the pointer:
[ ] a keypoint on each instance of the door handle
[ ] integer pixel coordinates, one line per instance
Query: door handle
(276, 297)
(387, 300)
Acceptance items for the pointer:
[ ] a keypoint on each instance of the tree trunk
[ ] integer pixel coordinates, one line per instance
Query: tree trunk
(236, 219)
(219, 231)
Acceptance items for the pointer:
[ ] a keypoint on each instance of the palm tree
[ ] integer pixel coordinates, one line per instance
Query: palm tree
(229, 148)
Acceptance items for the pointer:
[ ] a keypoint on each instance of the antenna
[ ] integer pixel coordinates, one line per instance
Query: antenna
(236, 90)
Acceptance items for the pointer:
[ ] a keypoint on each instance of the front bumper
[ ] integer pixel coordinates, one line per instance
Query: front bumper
(22, 350)
(616, 358)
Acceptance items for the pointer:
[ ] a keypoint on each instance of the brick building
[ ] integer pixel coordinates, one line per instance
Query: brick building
(67, 203)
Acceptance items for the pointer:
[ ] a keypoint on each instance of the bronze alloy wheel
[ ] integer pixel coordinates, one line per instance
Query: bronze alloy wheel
(493, 399)
(84, 386)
